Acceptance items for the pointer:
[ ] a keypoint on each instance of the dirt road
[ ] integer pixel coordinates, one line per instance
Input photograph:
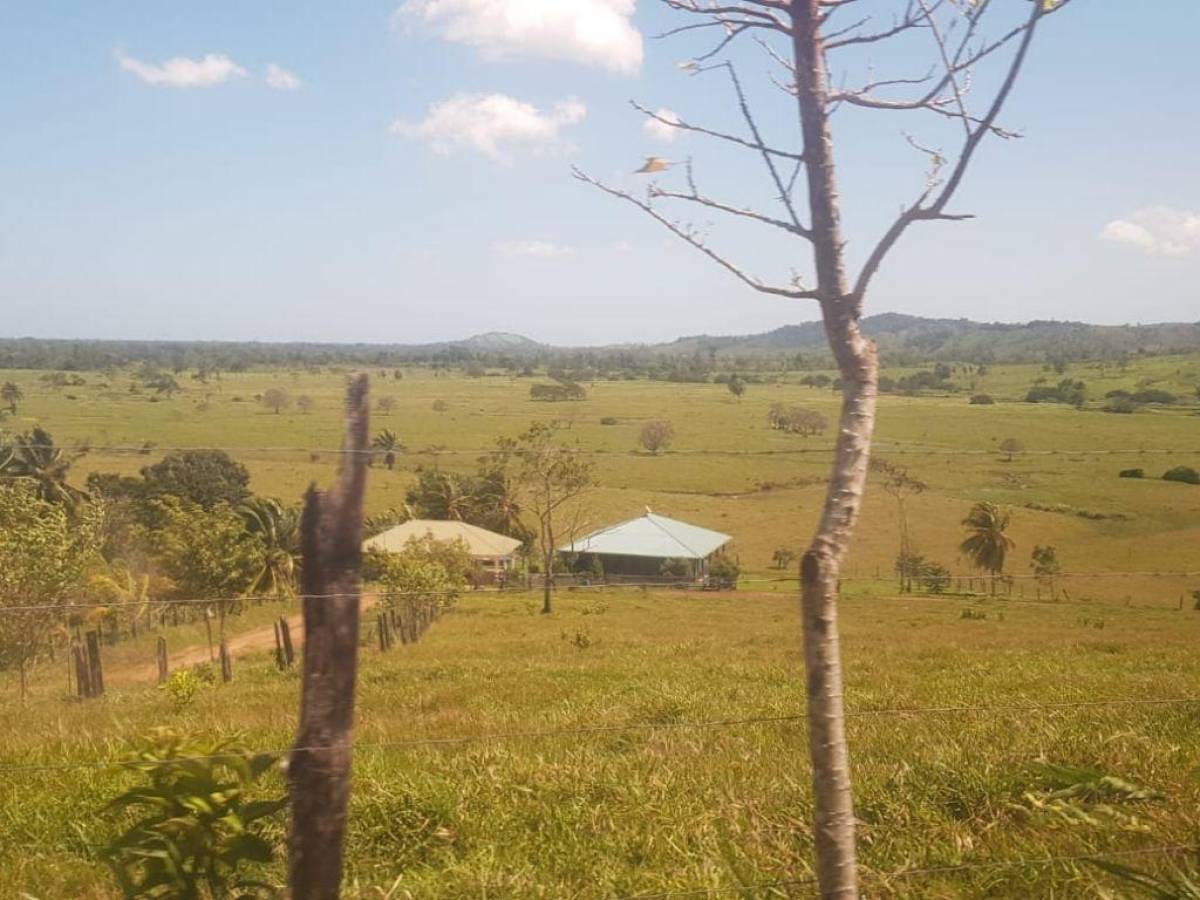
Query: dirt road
(240, 645)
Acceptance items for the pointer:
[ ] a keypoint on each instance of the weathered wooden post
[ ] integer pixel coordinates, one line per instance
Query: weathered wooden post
(208, 629)
(382, 633)
(330, 584)
(226, 662)
(83, 685)
(163, 670)
(279, 663)
(285, 632)
(95, 670)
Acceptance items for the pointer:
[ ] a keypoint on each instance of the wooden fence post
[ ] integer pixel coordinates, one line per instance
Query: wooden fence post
(279, 663)
(226, 662)
(208, 629)
(382, 633)
(163, 670)
(330, 585)
(83, 685)
(285, 632)
(95, 670)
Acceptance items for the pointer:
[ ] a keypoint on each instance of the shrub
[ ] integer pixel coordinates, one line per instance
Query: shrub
(184, 684)
(675, 568)
(981, 400)
(1154, 395)
(1121, 405)
(1132, 473)
(1185, 474)
(557, 393)
(934, 577)
(426, 569)
(656, 435)
(198, 829)
(1066, 391)
(723, 573)
(609, 420)
(796, 420)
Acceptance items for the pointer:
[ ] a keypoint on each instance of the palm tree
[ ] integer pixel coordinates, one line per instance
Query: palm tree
(10, 393)
(387, 442)
(277, 529)
(987, 544)
(126, 590)
(389, 518)
(33, 455)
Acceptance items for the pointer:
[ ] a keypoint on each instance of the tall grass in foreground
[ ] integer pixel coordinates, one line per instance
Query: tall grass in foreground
(550, 806)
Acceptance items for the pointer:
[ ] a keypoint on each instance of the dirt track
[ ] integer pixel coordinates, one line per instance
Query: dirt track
(239, 645)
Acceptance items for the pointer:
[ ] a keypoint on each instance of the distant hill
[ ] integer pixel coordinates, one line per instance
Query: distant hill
(903, 340)
(501, 342)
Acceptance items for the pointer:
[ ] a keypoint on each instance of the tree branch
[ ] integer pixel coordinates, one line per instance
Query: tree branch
(688, 237)
(732, 138)
(935, 210)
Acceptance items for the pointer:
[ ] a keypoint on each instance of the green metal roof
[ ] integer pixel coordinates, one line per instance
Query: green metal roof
(651, 535)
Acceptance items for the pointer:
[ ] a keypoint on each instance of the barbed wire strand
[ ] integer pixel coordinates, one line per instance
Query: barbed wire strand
(513, 592)
(453, 740)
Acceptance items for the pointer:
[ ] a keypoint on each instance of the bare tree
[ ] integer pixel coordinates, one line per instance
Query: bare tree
(552, 479)
(276, 399)
(656, 435)
(802, 38)
(900, 483)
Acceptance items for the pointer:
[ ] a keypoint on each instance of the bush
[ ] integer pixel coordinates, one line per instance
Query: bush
(1132, 473)
(1154, 396)
(656, 435)
(609, 420)
(426, 569)
(723, 573)
(1121, 405)
(198, 828)
(675, 568)
(982, 400)
(557, 393)
(184, 684)
(1185, 474)
(1066, 391)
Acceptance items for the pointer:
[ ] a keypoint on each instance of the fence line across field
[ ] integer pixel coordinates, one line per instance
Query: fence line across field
(879, 446)
(534, 734)
(615, 586)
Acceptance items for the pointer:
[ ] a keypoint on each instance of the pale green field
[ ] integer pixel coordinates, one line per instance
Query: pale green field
(655, 806)
(726, 469)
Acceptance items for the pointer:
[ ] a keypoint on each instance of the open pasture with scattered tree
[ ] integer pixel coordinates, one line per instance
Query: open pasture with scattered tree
(1019, 631)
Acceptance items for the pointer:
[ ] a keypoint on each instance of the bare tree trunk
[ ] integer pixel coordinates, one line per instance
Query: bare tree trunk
(319, 771)
(855, 356)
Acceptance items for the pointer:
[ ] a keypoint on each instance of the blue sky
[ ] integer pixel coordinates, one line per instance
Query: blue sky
(401, 174)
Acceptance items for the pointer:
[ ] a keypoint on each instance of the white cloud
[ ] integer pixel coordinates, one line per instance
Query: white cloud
(1159, 230)
(491, 124)
(537, 249)
(660, 130)
(623, 247)
(181, 72)
(281, 79)
(591, 32)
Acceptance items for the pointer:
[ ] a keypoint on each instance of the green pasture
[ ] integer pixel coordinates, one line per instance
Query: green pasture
(586, 775)
(626, 796)
(726, 468)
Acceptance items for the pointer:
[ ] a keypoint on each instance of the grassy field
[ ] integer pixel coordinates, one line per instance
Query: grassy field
(653, 805)
(656, 804)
